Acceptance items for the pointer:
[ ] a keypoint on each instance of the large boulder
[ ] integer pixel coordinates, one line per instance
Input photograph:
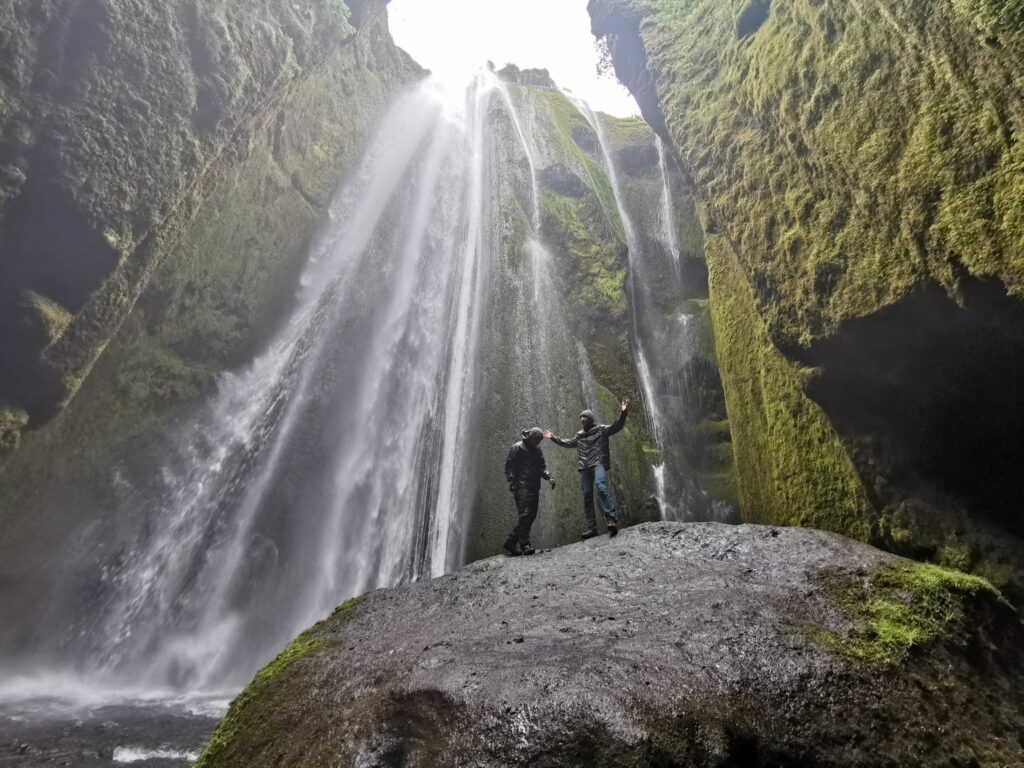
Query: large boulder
(673, 644)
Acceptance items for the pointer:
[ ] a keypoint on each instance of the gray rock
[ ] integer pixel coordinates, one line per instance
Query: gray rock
(673, 644)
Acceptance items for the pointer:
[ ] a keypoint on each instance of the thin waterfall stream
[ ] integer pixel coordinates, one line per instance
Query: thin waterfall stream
(660, 348)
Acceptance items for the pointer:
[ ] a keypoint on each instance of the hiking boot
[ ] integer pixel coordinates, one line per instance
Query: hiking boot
(527, 549)
(613, 529)
(589, 534)
(511, 547)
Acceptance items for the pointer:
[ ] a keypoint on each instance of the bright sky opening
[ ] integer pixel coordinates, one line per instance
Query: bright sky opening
(453, 37)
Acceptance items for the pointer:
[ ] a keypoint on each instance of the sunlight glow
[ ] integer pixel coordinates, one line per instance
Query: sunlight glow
(454, 37)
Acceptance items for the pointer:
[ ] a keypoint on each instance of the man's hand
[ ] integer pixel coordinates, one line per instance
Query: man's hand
(552, 481)
(548, 434)
(512, 487)
(625, 405)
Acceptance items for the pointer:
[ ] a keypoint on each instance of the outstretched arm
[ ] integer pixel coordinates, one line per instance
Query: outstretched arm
(621, 421)
(570, 443)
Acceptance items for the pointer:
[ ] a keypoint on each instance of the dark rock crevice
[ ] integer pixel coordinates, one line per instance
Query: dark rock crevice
(929, 389)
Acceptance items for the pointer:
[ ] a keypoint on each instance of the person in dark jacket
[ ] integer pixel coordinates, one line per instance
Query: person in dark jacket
(524, 469)
(594, 464)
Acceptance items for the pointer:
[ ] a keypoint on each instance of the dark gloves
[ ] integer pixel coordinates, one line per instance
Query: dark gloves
(512, 486)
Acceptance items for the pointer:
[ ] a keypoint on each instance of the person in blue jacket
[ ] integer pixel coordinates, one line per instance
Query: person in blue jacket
(594, 464)
(524, 469)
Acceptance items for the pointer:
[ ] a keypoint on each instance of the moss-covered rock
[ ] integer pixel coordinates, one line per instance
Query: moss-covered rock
(858, 164)
(12, 421)
(791, 466)
(254, 708)
(120, 123)
(700, 645)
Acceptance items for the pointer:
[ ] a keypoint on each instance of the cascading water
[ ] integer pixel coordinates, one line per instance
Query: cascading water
(335, 462)
(660, 348)
(358, 448)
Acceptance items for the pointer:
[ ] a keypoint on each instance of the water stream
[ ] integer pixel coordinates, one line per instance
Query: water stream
(661, 346)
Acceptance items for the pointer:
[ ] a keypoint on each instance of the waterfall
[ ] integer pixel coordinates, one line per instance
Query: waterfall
(668, 224)
(335, 462)
(359, 449)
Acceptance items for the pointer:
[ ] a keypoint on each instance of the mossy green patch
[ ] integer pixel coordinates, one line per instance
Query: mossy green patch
(792, 467)
(851, 152)
(12, 421)
(900, 607)
(51, 316)
(625, 131)
(254, 705)
(563, 120)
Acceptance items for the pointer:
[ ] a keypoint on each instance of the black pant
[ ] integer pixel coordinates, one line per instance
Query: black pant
(526, 507)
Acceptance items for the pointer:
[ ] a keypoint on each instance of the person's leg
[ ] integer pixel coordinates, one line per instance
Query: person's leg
(526, 518)
(512, 542)
(607, 503)
(587, 486)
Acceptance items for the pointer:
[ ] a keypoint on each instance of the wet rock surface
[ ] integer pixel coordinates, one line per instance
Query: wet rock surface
(671, 644)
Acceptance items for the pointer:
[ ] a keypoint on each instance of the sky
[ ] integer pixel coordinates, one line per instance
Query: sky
(451, 37)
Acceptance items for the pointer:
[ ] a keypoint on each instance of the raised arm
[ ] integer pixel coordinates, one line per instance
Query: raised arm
(619, 422)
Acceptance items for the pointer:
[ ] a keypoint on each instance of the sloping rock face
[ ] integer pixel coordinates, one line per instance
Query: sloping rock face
(673, 644)
(116, 125)
(861, 190)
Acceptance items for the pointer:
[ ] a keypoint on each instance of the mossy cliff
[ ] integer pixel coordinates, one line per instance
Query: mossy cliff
(118, 125)
(211, 240)
(859, 171)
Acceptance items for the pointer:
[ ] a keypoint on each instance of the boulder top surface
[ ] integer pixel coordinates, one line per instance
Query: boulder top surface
(673, 644)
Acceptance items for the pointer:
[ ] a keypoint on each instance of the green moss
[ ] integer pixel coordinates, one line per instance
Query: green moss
(51, 316)
(12, 421)
(592, 266)
(562, 119)
(901, 607)
(851, 153)
(623, 131)
(791, 466)
(253, 705)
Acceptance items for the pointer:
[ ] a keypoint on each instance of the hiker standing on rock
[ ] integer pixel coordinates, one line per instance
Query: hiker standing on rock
(594, 464)
(524, 469)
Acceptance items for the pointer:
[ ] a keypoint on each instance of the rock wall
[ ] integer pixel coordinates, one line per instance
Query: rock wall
(860, 174)
(119, 123)
(210, 239)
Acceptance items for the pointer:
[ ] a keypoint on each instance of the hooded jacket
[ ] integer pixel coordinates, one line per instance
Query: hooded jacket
(592, 444)
(525, 466)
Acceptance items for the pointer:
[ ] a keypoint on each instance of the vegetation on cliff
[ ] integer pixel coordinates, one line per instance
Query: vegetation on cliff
(859, 165)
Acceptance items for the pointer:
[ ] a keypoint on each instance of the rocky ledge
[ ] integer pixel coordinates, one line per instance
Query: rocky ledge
(672, 644)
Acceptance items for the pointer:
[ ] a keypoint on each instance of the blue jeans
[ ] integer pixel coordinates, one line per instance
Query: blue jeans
(590, 477)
